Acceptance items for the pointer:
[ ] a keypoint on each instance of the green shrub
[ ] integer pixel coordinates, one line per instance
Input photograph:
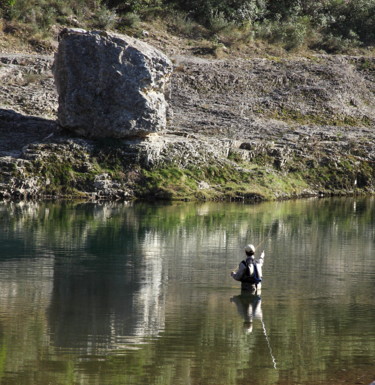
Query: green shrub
(133, 5)
(180, 23)
(332, 25)
(104, 19)
(44, 13)
(352, 20)
(210, 11)
(291, 33)
(339, 24)
(336, 44)
(6, 8)
(130, 19)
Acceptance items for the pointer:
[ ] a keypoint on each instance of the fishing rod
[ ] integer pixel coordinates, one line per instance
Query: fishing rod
(265, 239)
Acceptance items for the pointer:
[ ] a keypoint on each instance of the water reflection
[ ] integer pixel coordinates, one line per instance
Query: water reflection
(249, 307)
(105, 301)
(117, 293)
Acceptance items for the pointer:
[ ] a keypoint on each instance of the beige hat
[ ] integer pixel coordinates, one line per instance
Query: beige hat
(250, 248)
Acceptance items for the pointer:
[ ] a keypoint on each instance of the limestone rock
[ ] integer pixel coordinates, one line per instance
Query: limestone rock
(110, 85)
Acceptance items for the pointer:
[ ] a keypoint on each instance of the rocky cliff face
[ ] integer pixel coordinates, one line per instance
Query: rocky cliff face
(247, 99)
(242, 129)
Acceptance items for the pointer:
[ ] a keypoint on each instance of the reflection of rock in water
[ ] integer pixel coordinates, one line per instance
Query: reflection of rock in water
(25, 294)
(26, 281)
(107, 303)
(249, 307)
(149, 300)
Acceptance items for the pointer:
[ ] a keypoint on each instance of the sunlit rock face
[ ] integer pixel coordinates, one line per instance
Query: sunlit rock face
(110, 85)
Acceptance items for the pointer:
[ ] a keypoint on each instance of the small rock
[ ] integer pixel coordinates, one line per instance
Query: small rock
(203, 185)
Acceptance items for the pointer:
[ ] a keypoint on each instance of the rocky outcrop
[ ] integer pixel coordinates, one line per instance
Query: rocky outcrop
(242, 129)
(110, 85)
(27, 86)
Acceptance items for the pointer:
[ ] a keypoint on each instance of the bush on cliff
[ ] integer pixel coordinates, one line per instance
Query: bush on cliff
(332, 25)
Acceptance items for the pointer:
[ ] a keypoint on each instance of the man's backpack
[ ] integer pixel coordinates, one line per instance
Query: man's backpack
(251, 277)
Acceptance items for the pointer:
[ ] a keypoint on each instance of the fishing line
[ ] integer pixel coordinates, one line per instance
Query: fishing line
(269, 345)
(263, 325)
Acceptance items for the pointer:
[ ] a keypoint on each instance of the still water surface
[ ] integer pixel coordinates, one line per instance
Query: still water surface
(142, 294)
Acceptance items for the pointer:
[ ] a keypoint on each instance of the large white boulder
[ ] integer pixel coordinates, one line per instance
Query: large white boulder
(110, 85)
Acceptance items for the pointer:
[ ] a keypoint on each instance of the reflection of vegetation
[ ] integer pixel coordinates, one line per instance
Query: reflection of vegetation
(3, 357)
(203, 347)
(74, 223)
(202, 330)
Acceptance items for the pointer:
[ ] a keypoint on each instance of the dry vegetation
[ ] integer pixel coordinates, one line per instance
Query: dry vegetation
(215, 28)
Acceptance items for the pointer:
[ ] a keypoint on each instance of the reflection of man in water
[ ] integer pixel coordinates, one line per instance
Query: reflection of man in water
(249, 307)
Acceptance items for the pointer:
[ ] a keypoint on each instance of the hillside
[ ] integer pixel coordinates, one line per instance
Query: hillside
(245, 126)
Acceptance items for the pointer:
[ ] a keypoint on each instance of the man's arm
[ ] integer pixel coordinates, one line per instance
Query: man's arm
(261, 258)
(237, 275)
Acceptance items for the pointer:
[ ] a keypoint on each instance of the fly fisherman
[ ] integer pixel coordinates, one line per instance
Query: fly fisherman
(249, 271)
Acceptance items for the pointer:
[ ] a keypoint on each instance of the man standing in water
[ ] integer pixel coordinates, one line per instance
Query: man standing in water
(249, 271)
